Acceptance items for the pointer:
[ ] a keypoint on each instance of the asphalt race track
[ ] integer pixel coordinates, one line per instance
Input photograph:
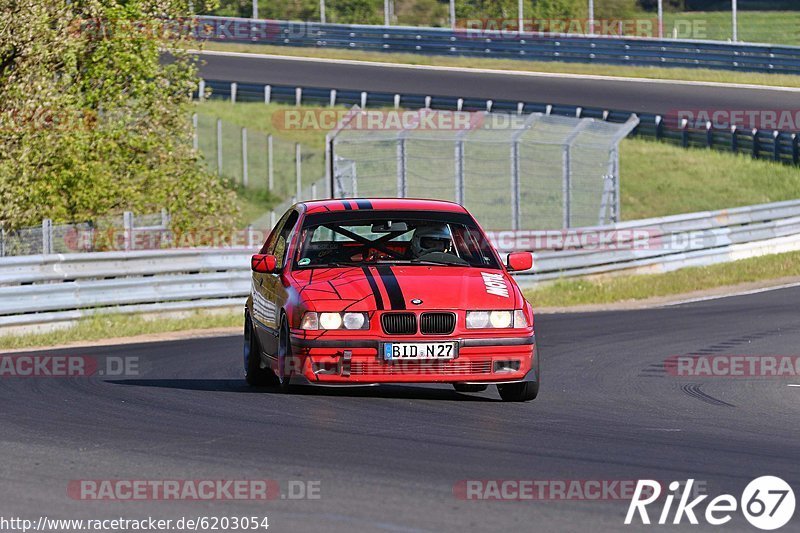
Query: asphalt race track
(388, 458)
(636, 96)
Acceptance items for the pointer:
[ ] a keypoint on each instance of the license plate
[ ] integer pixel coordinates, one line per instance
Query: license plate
(416, 351)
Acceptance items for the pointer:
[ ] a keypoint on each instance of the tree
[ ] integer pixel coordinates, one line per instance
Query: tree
(93, 122)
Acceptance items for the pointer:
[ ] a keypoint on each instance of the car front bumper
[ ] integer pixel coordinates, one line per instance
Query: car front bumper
(358, 362)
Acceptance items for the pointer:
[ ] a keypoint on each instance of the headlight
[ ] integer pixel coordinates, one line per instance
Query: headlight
(496, 319)
(477, 319)
(317, 321)
(330, 320)
(501, 319)
(354, 320)
(310, 321)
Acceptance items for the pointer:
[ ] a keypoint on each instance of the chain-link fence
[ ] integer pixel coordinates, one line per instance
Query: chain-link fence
(255, 160)
(511, 171)
(126, 232)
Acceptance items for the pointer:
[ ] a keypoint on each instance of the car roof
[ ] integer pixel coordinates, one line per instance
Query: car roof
(381, 204)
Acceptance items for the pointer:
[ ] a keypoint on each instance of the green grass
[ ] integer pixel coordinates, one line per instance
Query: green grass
(659, 179)
(101, 327)
(773, 27)
(565, 293)
(596, 69)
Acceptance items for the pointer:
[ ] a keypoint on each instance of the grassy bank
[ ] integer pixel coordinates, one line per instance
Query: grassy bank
(595, 69)
(102, 327)
(565, 293)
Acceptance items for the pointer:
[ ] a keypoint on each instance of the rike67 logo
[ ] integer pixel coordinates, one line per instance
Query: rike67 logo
(767, 503)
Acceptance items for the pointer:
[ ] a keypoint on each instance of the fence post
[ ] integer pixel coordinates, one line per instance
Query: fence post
(566, 186)
(709, 135)
(234, 86)
(219, 146)
(459, 156)
(298, 96)
(127, 229)
(659, 127)
(195, 133)
(756, 144)
(515, 215)
(328, 166)
(270, 167)
(313, 191)
(272, 220)
(201, 90)
(298, 170)
(245, 177)
(402, 186)
(685, 133)
(47, 236)
(734, 139)
(267, 93)
(795, 148)
(2, 242)
(333, 97)
(776, 145)
(616, 214)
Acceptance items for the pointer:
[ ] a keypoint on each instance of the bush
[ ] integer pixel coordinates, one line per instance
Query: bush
(92, 122)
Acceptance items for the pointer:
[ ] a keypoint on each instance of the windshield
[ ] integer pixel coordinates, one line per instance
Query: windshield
(333, 239)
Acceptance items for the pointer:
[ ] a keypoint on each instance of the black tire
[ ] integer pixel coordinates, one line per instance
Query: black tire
(519, 392)
(467, 387)
(254, 374)
(283, 379)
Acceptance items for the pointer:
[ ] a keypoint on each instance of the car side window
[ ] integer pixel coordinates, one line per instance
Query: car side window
(282, 241)
(269, 244)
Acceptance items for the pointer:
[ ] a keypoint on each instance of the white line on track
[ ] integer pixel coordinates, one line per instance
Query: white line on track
(791, 385)
(524, 73)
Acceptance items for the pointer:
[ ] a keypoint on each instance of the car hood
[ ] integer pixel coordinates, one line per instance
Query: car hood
(398, 287)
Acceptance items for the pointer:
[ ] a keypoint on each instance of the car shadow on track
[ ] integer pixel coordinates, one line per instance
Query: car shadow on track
(406, 392)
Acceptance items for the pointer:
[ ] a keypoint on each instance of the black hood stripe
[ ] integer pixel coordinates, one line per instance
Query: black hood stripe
(374, 286)
(347, 206)
(364, 204)
(396, 298)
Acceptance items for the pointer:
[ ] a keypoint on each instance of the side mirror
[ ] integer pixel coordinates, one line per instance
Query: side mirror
(263, 263)
(519, 261)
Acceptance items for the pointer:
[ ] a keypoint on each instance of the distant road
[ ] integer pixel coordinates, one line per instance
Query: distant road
(654, 96)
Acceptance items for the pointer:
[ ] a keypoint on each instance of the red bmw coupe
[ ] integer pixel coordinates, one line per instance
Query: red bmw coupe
(356, 292)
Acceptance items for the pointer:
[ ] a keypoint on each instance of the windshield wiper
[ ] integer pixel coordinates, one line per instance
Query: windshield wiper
(335, 264)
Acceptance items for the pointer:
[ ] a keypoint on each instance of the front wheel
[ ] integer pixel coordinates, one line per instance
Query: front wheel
(254, 374)
(519, 392)
(285, 358)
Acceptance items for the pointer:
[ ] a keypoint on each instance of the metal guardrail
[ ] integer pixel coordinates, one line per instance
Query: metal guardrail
(781, 146)
(499, 45)
(49, 289)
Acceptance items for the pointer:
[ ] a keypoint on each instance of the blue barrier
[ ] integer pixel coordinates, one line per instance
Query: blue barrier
(781, 146)
(499, 45)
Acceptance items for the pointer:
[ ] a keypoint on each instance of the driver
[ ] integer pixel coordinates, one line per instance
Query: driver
(430, 239)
